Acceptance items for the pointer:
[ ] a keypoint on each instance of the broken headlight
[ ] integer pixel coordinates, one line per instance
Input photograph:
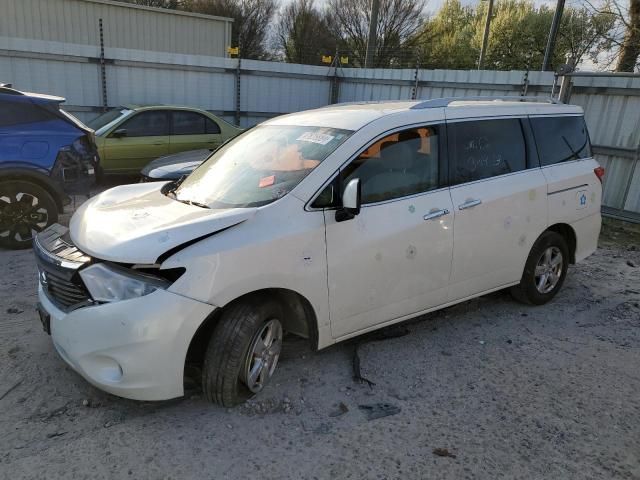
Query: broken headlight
(110, 283)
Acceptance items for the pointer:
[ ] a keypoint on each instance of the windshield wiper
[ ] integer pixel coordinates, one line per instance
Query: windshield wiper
(171, 187)
(191, 202)
(170, 191)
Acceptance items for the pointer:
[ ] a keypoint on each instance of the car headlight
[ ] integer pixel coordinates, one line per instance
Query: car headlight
(109, 283)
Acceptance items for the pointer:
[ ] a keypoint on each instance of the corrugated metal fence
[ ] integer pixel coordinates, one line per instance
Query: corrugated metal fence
(247, 92)
(125, 25)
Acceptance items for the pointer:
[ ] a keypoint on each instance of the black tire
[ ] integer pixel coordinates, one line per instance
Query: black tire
(527, 291)
(24, 206)
(228, 349)
(99, 175)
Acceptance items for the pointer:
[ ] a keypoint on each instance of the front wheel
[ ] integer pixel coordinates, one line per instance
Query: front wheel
(24, 207)
(545, 270)
(243, 352)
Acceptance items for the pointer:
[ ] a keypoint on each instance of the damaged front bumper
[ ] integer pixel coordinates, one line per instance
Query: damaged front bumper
(132, 348)
(135, 348)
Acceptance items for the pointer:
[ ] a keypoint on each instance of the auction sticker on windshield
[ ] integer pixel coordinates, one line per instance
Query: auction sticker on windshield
(314, 137)
(267, 181)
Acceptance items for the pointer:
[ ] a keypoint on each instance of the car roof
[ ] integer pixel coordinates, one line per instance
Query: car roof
(355, 115)
(38, 97)
(161, 107)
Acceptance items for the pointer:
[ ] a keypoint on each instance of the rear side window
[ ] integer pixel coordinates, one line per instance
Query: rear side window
(561, 139)
(192, 123)
(211, 126)
(148, 124)
(20, 113)
(485, 148)
(188, 123)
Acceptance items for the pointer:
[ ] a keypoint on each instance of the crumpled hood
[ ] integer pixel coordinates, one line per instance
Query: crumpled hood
(137, 223)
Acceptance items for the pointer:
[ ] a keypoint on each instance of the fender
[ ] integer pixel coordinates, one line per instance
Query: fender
(39, 176)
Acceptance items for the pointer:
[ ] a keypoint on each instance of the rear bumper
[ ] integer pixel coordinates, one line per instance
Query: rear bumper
(75, 173)
(587, 233)
(135, 348)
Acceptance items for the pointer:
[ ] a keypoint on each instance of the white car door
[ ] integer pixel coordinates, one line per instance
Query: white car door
(500, 202)
(393, 259)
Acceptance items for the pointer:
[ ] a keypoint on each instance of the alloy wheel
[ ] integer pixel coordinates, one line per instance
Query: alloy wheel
(262, 356)
(548, 269)
(20, 213)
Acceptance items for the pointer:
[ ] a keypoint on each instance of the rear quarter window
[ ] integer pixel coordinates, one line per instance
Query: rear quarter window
(21, 113)
(561, 139)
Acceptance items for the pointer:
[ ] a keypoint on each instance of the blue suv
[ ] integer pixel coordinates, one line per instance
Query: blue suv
(45, 155)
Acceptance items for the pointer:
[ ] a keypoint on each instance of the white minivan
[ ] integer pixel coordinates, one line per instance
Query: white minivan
(326, 224)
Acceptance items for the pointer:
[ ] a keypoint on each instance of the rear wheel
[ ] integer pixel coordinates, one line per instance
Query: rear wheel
(243, 352)
(545, 270)
(24, 207)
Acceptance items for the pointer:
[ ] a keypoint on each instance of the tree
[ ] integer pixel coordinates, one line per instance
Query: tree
(173, 4)
(398, 22)
(517, 38)
(630, 48)
(445, 41)
(303, 34)
(583, 32)
(621, 44)
(251, 19)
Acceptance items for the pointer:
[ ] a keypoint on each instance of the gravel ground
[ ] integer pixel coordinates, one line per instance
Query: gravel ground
(486, 389)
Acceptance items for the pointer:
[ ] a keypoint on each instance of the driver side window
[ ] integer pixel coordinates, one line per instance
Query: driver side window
(398, 165)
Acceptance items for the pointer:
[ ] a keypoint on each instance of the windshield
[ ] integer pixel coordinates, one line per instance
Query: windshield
(259, 166)
(106, 118)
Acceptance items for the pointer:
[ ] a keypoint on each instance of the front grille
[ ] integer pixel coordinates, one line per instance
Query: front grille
(64, 292)
(58, 262)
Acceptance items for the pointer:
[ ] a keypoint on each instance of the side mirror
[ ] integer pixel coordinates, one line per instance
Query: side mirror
(120, 132)
(351, 199)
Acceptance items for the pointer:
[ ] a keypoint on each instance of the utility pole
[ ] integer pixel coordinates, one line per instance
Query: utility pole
(103, 69)
(485, 38)
(373, 25)
(553, 33)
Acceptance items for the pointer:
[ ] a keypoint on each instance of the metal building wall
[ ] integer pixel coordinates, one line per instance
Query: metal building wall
(125, 26)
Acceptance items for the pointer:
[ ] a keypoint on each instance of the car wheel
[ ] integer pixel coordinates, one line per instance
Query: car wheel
(243, 352)
(24, 207)
(545, 270)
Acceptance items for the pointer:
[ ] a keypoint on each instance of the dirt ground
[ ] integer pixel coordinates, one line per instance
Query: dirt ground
(486, 389)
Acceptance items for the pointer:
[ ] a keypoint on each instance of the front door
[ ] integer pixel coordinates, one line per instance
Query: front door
(500, 203)
(135, 142)
(394, 258)
(193, 131)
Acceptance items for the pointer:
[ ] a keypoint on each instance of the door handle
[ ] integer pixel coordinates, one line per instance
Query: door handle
(436, 214)
(159, 143)
(469, 204)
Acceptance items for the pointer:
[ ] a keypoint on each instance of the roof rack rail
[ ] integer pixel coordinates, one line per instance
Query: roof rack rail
(444, 102)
